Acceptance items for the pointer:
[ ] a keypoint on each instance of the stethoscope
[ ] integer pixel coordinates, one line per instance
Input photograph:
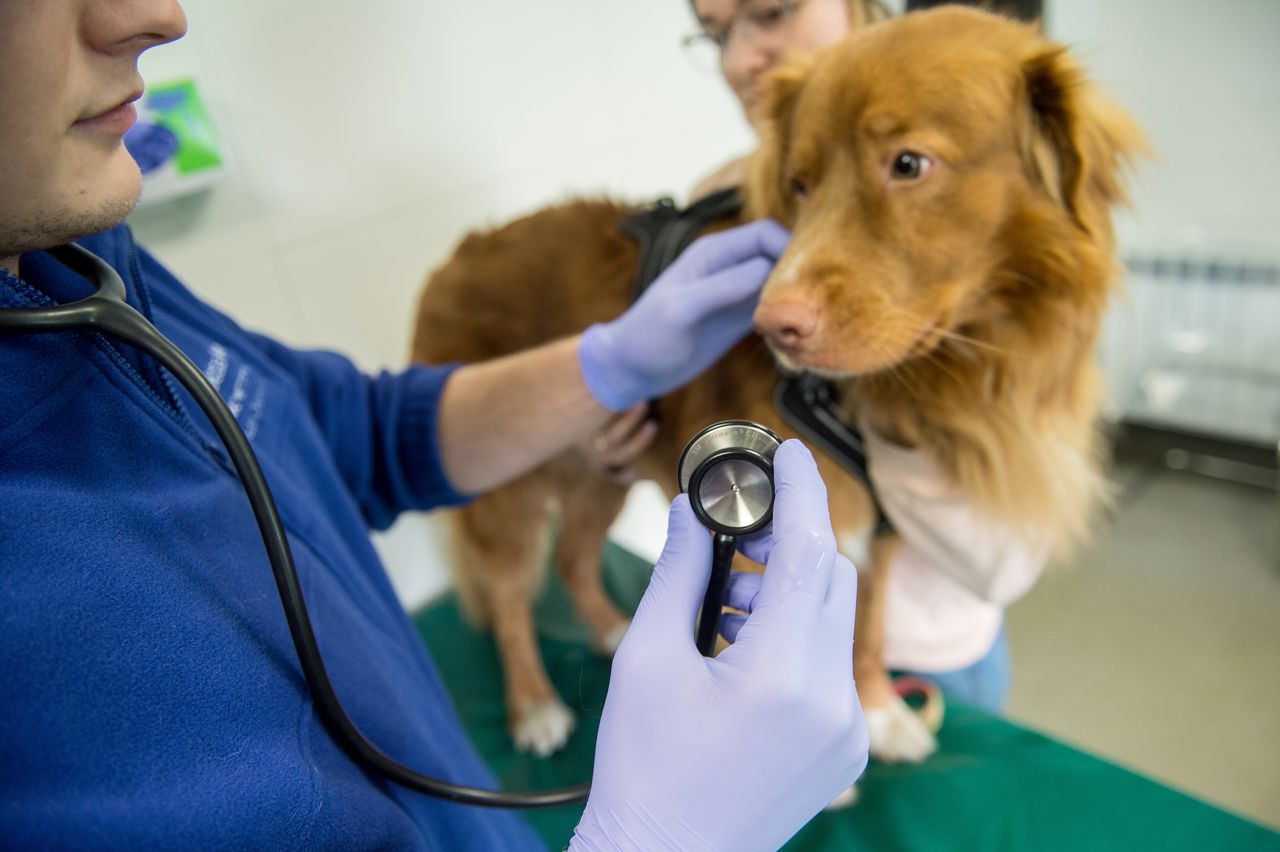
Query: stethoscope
(105, 311)
(727, 471)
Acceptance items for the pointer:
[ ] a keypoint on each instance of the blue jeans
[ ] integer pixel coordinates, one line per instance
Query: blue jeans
(984, 684)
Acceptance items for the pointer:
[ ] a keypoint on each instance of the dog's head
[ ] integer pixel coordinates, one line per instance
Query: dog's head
(944, 173)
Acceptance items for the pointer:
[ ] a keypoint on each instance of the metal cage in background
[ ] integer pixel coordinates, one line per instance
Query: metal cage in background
(1194, 345)
(1191, 353)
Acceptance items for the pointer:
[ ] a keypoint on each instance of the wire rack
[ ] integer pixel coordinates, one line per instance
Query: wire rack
(1192, 357)
(1195, 346)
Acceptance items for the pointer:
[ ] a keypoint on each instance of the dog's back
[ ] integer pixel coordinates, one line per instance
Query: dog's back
(551, 274)
(544, 276)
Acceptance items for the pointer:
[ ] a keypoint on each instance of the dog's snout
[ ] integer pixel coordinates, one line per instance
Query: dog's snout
(788, 324)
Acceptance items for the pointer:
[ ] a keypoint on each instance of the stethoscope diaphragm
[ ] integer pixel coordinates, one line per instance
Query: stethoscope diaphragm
(727, 471)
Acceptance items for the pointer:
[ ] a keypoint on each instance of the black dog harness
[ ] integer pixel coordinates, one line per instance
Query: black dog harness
(810, 404)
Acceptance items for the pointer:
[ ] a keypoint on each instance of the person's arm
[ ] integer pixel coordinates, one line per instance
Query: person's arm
(501, 418)
(381, 430)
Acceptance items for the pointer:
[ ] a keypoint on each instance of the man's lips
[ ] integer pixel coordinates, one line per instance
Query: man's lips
(115, 121)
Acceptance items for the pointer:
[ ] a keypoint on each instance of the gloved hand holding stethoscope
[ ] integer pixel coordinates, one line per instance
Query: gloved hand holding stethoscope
(740, 750)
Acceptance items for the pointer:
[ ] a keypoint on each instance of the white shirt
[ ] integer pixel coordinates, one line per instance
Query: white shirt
(957, 569)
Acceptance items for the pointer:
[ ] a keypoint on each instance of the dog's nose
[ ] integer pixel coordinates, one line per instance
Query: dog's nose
(787, 324)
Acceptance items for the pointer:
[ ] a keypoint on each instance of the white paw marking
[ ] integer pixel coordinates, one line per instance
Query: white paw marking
(609, 643)
(846, 799)
(544, 727)
(856, 547)
(898, 735)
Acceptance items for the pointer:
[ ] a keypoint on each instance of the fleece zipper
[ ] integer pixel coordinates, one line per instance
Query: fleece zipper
(172, 407)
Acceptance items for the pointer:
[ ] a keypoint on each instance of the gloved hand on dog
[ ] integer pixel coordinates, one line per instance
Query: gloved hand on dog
(690, 316)
(738, 751)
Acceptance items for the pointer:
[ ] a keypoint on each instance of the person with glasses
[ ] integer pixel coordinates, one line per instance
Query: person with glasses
(743, 40)
(956, 572)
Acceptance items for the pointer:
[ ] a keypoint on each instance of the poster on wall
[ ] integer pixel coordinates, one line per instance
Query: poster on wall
(174, 143)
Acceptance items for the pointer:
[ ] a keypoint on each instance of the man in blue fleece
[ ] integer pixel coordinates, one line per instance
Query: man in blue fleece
(149, 690)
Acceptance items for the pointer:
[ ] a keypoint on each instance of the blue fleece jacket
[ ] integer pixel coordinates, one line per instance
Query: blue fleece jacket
(150, 693)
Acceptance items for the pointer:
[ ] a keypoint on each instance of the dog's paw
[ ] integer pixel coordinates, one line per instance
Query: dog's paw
(609, 642)
(897, 734)
(544, 727)
(847, 799)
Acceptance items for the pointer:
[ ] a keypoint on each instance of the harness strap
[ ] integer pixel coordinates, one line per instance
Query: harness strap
(809, 404)
(664, 231)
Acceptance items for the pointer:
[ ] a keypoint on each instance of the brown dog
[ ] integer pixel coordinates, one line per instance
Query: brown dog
(948, 177)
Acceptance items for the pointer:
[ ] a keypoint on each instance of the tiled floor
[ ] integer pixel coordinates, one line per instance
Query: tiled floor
(1160, 648)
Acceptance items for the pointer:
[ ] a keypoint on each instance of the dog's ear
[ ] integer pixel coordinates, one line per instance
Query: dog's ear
(765, 189)
(1076, 144)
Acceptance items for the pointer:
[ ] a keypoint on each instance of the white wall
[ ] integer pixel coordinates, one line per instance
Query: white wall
(1203, 79)
(1179, 350)
(365, 143)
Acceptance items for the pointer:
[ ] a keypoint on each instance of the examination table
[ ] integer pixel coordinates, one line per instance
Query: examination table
(992, 785)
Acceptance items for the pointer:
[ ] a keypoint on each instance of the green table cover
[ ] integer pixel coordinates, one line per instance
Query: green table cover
(991, 786)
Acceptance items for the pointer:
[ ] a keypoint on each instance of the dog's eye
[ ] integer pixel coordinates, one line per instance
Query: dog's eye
(909, 165)
(799, 188)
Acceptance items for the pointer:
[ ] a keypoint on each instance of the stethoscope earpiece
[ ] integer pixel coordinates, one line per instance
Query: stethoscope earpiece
(727, 471)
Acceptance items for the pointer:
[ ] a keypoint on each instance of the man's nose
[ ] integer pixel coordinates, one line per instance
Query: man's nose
(132, 26)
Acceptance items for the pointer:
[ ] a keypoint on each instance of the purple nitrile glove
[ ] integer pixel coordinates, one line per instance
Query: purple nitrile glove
(741, 750)
(690, 316)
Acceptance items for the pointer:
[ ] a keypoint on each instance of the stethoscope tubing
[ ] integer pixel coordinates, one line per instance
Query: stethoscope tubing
(723, 547)
(105, 311)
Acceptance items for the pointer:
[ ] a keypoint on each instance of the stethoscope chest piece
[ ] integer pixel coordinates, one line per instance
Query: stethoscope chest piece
(727, 471)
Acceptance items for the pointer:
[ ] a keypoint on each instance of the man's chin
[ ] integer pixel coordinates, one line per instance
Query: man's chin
(112, 197)
(95, 195)
(51, 228)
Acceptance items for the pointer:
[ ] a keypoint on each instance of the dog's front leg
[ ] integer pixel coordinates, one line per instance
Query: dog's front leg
(897, 733)
(589, 506)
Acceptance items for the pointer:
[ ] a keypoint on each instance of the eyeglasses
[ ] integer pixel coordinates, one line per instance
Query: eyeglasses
(750, 20)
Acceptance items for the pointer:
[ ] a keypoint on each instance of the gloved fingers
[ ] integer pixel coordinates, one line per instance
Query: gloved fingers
(674, 596)
(840, 609)
(758, 545)
(740, 593)
(741, 590)
(737, 286)
(843, 591)
(728, 248)
(730, 624)
(798, 571)
(798, 575)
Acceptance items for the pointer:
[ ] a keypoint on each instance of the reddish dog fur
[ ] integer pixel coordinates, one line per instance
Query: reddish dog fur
(957, 307)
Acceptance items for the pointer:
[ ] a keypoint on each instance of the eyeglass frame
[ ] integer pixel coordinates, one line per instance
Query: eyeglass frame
(742, 17)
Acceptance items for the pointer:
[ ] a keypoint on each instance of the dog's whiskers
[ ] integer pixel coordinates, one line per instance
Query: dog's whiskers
(936, 360)
(973, 341)
(1016, 276)
(904, 376)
